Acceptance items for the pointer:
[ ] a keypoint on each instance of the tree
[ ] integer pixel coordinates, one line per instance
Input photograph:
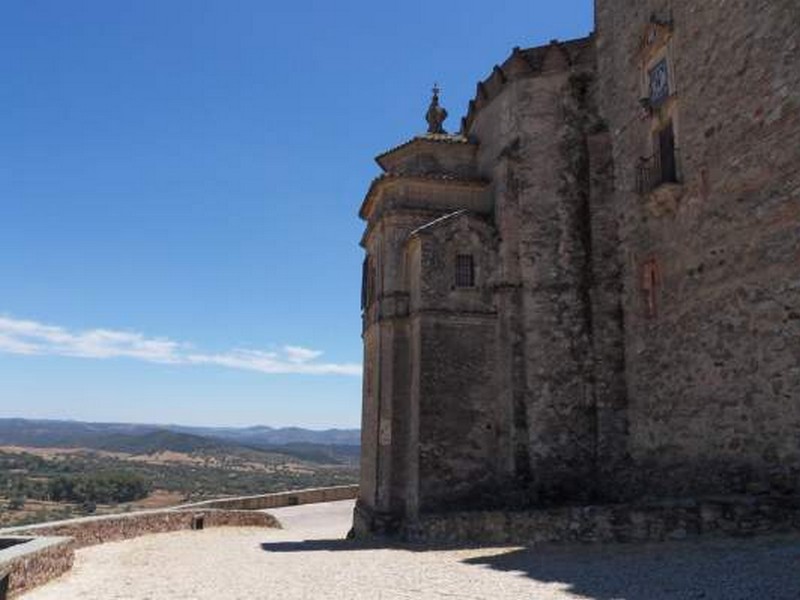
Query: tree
(16, 503)
(104, 488)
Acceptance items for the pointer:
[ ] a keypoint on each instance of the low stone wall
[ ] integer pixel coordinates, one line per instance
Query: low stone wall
(34, 562)
(615, 523)
(279, 499)
(49, 548)
(89, 531)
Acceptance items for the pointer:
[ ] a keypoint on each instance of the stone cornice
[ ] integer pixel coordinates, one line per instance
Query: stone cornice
(388, 180)
(422, 140)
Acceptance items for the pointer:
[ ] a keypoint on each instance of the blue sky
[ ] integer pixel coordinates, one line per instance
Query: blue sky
(179, 181)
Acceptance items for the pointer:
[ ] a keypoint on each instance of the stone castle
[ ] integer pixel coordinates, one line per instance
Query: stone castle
(591, 293)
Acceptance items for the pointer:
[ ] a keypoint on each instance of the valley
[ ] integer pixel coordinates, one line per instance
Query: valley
(58, 470)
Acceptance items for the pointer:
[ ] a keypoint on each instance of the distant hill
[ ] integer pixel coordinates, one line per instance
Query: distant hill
(65, 434)
(177, 464)
(270, 436)
(159, 441)
(334, 446)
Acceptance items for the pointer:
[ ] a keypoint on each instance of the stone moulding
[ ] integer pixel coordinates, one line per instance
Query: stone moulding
(418, 141)
(387, 180)
(656, 35)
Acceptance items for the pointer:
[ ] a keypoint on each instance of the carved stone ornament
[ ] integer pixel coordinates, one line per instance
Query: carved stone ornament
(436, 114)
(656, 34)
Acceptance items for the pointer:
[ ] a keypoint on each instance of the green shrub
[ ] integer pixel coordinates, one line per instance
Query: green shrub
(99, 488)
(16, 503)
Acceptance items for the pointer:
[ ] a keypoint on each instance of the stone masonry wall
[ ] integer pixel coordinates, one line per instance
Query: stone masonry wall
(712, 369)
(611, 523)
(459, 453)
(533, 145)
(638, 333)
(463, 440)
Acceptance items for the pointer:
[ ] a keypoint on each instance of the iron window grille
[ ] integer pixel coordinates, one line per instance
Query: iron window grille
(657, 170)
(465, 271)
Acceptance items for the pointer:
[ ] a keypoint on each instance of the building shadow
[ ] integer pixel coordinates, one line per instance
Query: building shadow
(347, 545)
(332, 545)
(741, 569)
(709, 569)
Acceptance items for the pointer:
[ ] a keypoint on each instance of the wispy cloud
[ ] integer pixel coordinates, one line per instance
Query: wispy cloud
(34, 338)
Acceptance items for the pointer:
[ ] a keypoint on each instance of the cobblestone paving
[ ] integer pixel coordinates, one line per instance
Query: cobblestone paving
(309, 560)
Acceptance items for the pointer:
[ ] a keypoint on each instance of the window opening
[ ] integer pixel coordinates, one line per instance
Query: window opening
(364, 276)
(666, 152)
(662, 167)
(367, 283)
(465, 271)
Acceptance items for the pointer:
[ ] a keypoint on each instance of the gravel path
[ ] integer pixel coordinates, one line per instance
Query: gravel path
(309, 560)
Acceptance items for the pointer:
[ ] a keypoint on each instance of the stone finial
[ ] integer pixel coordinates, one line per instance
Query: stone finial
(436, 114)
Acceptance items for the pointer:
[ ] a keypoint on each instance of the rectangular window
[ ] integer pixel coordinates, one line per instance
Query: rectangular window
(364, 282)
(465, 271)
(663, 166)
(666, 154)
(367, 282)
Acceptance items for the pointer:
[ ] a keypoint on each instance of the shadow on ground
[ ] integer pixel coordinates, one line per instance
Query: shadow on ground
(752, 569)
(730, 569)
(335, 545)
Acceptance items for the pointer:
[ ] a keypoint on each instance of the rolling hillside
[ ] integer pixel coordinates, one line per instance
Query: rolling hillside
(169, 465)
(335, 446)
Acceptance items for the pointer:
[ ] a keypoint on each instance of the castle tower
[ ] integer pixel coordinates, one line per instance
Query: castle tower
(425, 269)
(480, 383)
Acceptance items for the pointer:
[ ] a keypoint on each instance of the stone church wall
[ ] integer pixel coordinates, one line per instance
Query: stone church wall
(461, 440)
(712, 366)
(632, 204)
(534, 146)
(459, 446)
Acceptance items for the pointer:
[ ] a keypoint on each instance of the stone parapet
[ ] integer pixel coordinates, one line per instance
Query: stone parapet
(279, 499)
(30, 562)
(90, 531)
(33, 554)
